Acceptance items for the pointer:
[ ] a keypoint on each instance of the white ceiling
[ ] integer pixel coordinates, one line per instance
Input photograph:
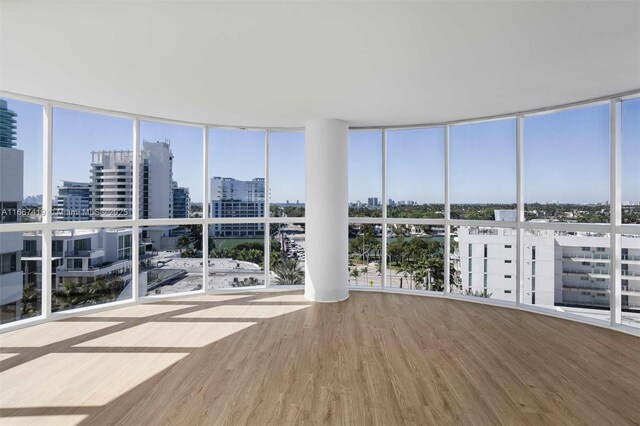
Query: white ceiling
(280, 64)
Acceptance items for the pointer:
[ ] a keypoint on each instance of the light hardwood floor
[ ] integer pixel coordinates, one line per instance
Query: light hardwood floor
(276, 359)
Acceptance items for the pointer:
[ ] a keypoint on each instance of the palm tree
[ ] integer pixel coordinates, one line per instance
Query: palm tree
(355, 273)
(29, 299)
(288, 272)
(68, 294)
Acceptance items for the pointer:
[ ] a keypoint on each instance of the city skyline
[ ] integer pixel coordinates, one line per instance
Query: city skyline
(579, 138)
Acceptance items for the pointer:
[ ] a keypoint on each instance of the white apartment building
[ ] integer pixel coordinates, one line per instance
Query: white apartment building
(111, 186)
(561, 268)
(112, 182)
(84, 254)
(237, 198)
(157, 187)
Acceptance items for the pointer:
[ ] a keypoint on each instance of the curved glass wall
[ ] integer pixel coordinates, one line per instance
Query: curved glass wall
(538, 210)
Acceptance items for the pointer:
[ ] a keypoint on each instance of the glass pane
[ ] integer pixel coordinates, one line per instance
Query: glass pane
(630, 278)
(92, 166)
(20, 275)
(236, 255)
(171, 172)
(90, 267)
(287, 259)
(236, 171)
(415, 173)
(566, 166)
(170, 259)
(287, 178)
(568, 271)
(630, 146)
(20, 162)
(365, 254)
(415, 257)
(365, 174)
(484, 262)
(483, 170)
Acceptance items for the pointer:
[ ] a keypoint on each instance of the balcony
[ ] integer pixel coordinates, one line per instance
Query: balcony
(589, 287)
(630, 275)
(594, 258)
(92, 271)
(91, 253)
(631, 259)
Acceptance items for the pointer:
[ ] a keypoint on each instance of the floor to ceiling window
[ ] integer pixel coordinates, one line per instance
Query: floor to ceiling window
(515, 210)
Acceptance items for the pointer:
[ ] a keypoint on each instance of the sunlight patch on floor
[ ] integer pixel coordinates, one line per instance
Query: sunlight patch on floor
(51, 332)
(283, 298)
(70, 420)
(79, 379)
(138, 311)
(169, 335)
(213, 298)
(244, 311)
(6, 356)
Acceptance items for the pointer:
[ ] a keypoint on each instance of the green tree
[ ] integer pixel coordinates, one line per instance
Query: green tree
(190, 244)
(288, 272)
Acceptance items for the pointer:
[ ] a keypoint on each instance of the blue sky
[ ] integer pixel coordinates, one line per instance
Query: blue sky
(238, 154)
(566, 156)
(286, 166)
(483, 162)
(415, 165)
(76, 134)
(365, 165)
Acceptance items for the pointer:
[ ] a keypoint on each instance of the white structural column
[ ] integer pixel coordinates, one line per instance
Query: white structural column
(615, 266)
(327, 211)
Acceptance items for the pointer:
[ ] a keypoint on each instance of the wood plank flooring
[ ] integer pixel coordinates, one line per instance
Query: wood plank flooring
(275, 359)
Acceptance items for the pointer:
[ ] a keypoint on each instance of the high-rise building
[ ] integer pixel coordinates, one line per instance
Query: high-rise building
(237, 198)
(181, 201)
(11, 195)
(157, 180)
(372, 202)
(8, 126)
(72, 203)
(111, 186)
